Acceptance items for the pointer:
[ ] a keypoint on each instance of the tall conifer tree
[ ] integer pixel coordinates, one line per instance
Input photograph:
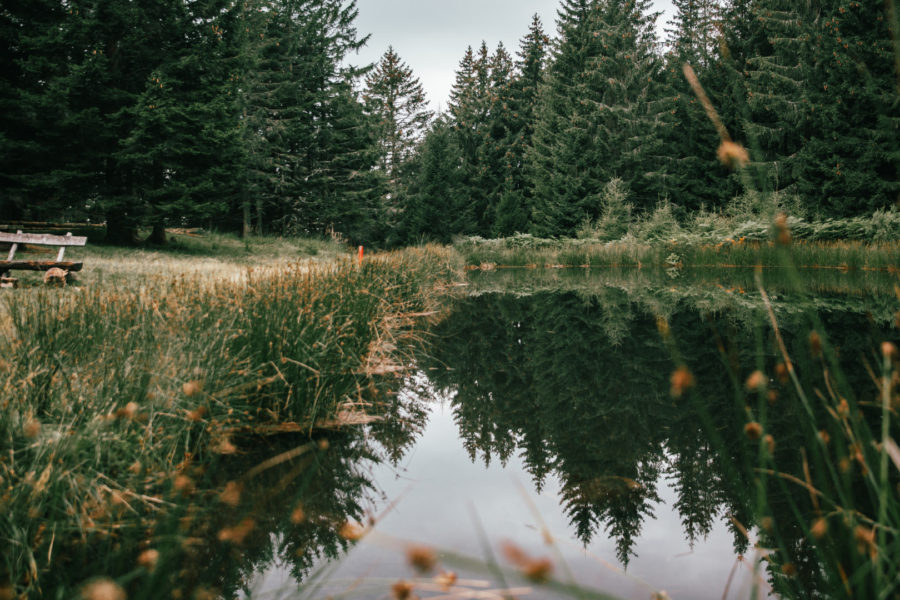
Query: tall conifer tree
(513, 207)
(599, 115)
(695, 176)
(396, 99)
(850, 161)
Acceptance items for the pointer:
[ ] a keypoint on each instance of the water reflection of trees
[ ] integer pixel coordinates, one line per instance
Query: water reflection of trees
(280, 499)
(578, 384)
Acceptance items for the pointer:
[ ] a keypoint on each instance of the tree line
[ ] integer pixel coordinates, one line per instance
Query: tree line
(248, 115)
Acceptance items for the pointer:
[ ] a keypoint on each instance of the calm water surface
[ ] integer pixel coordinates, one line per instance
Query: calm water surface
(545, 405)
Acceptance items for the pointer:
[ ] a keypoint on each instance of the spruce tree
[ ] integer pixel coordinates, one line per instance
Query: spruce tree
(777, 118)
(306, 137)
(32, 111)
(396, 98)
(512, 212)
(468, 110)
(599, 114)
(695, 177)
(850, 161)
(436, 204)
(496, 139)
(183, 147)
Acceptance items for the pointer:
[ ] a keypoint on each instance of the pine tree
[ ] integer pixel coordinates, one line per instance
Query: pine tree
(599, 115)
(777, 118)
(183, 148)
(850, 162)
(695, 177)
(436, 204)
(397, 100)
(512, 213)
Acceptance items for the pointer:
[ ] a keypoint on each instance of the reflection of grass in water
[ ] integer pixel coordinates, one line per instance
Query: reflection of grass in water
(118, 399)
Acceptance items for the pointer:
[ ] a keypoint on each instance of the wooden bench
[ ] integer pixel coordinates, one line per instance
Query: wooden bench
(37, 239)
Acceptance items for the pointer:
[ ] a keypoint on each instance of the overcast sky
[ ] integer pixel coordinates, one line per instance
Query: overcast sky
(431, 36)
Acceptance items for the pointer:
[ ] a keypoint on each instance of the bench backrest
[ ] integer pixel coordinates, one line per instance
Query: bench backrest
(42, 239)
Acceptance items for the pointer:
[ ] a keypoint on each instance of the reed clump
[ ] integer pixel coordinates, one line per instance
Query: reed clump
(113, 396)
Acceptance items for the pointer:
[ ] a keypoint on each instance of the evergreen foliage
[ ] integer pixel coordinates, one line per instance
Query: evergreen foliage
(695, 178)
(849, 162)
(512, 212)
(599, 115)
(250, 116)
(396, 98)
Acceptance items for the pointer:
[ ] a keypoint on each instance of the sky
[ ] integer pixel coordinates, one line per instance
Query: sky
(431, 36)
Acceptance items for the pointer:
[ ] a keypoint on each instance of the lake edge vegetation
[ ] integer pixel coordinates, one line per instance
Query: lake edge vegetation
(112, 394)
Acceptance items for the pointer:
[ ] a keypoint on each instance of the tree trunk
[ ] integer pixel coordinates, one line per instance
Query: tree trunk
(247, 227)
(259, 217)
(121, 230)
(158, 235)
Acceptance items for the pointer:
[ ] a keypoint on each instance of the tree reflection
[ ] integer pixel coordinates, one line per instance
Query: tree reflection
(578, 384)
(283, 498)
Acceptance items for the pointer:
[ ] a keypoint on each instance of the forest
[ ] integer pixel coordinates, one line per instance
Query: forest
(251, 116)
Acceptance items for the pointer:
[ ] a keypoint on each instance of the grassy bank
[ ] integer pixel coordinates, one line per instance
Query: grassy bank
(660, 242)
(113, 393)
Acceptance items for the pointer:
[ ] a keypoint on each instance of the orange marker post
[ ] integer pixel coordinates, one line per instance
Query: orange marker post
(360, 255)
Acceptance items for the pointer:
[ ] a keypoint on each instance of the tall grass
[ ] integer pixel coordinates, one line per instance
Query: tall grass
(108, 392)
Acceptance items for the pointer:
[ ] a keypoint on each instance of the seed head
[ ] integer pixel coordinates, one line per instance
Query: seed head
(298, 515)
(682, 380)
(148, 559)
(781, 372)
(421, 558)
(753, 430)
(819, 528)
(446, 580)
(733, 155)
(888, 349)
(32, 428)
(402, 590)
(538, 570)
(183, 484)
(865, 541)
(237, 534)
(843, 408)
(815, 344)
(103, 589)
(128, 411)
(191, 388)
(770, 443)
(231, 495)
(756, 381)
(350, 531)
(781, 226)
(789, 569)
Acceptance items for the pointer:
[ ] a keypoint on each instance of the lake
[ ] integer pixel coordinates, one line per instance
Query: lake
(633, 428)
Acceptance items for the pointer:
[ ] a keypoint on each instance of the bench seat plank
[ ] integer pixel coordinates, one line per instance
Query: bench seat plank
(45, 239)
(38, 265)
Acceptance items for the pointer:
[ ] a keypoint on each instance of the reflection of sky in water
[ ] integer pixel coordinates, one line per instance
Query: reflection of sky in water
(435, 490)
